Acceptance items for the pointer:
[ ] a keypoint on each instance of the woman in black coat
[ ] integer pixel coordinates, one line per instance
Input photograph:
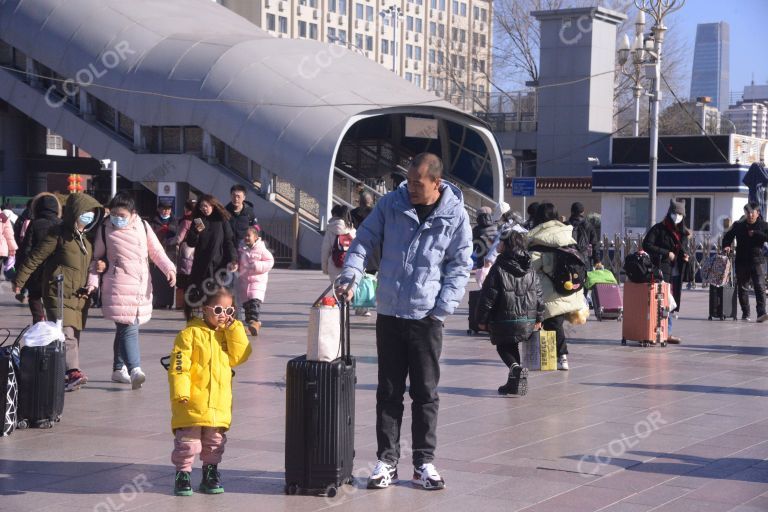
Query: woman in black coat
(667, 244)
(215, 253)
(44, 213)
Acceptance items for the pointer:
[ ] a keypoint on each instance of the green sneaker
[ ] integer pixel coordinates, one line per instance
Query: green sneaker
(183, 484)
(211, 483)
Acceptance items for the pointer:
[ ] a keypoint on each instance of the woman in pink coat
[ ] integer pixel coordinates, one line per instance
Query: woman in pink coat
(255, 263)
(7, 241)
(127, 244)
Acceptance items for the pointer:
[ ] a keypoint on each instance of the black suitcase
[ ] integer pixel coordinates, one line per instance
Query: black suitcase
(9, 387)
(320, 421)
(41, 380)
(722, 302)
(474, 296)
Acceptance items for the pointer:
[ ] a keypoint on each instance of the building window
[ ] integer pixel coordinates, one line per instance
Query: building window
(440, 58)
(313, 4)
(409, 77)
(433, 4)
(463, 9)
(462, 62)
(442, 5)
(193, 140)
(474, 65)
(455, 7)
(483, 15)
(369, 43)
(283, 24)
(331, 5)
(359, 11)
(342, 36)
(454, 33)
(463, 35)
(302, 29)
(454, 60)
(482, 66)
(431, 83)
(419, 25)
(271, 22)
(701, 220)
(432, 28)
(313, 30)
(482, 40)
(431, 56)
(441, 31)
(409, 51)
(385, 47)
(475, 39)
(482, 89)
(343, 7)
(369, 13)
(302, 2)
(417, 53)
(417, 79)
(635, 213)
(170, 139)
(476, 12)
(359, 41)
(331, 34)
(409, 23)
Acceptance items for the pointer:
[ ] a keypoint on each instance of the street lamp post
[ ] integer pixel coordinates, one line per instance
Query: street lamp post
(635, 73)
(395, 13)
(646, 51)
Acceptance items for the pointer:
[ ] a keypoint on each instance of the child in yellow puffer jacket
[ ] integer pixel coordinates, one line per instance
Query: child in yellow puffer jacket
(200, 379)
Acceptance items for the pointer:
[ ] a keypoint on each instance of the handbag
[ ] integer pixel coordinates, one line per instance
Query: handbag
(365, 293)
(602, 276)
(540, 351)
(324, 331)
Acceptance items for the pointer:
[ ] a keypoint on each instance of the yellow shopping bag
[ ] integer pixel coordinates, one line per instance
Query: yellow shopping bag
(540, 351)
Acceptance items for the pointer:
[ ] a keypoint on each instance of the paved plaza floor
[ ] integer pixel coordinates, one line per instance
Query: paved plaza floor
(682, 428)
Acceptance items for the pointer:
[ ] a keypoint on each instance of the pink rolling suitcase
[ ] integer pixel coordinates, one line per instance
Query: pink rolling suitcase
(607, 301)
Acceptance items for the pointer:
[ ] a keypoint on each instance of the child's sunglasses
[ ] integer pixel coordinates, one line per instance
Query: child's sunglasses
(217, 310)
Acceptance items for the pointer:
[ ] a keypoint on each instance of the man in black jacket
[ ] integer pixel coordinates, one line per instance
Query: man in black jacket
(363, 210)
(241, 212)
(584, 234)
(750, 233)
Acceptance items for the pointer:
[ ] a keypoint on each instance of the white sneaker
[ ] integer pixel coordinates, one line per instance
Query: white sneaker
(121, 376)
(562, 363)
(382, 476)
(137, 378)
(427, 476)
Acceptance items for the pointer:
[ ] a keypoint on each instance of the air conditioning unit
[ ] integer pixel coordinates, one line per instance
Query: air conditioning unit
(267, 3)
(298, 10)
(382, 30)
(315, 14)
(381, 59)
(281, 6)
(431, 40)
(482, 26)
(341, 20)
(328, 17)
(439, 43)
(416, 65)
(440, 16)
(367, 26)
(357, 23)
(407, 36)
(417, 10)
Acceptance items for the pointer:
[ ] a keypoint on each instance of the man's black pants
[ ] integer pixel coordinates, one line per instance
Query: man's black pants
(751, 271)
(407, 348)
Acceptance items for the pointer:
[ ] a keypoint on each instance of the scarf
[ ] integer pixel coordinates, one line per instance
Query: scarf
(675, 234)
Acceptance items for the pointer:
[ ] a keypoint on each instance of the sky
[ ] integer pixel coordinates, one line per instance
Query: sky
(748, 21)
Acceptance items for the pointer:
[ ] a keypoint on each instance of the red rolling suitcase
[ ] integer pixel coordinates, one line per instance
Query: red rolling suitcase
(648, 318)
(606, 299)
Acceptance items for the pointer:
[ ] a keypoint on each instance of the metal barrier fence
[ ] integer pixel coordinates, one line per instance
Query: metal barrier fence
(613, 251)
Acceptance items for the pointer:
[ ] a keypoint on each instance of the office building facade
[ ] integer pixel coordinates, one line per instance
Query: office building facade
(711, 64)
(442, 45)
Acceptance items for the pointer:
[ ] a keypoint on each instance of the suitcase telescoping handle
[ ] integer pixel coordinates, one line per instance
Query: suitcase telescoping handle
(60, 294)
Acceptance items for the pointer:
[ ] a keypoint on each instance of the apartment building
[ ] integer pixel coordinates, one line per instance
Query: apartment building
(439, 45)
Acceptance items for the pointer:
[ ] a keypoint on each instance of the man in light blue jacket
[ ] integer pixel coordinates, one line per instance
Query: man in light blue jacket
(420, 239)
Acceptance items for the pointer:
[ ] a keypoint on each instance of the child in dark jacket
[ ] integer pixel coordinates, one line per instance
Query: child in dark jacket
(512, 305)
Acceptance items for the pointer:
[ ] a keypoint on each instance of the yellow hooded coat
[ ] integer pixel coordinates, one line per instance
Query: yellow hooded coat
(201, 371)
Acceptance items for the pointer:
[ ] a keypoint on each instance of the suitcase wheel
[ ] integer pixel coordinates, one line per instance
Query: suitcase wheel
(22, 424)
(663, 343)
(292, 490)
(623, 341)
(45, 424)
(469, 332)
(331, 491)
(722, 318)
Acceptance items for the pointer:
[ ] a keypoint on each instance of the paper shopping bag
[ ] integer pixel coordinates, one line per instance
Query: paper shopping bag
(540, 351)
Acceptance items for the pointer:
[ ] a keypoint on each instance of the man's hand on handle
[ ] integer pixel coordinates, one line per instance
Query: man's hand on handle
(727, 249)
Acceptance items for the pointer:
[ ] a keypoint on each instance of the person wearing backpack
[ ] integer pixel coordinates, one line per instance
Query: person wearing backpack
(126, 244)
(338, 237)
(585, 235)
(666, 244)
(553, 254)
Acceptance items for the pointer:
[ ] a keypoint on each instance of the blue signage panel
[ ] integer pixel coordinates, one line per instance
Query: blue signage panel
(523, 187)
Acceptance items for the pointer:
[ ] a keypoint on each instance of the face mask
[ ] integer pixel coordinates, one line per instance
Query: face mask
(86, 218)
(165, 217)
(118, 222)
(677, 218)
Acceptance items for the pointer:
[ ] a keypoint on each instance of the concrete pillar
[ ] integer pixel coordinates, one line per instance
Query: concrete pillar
(575, 120)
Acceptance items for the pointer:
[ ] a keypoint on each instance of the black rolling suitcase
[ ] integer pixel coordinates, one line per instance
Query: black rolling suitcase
(41, 380)
(320, 421)
(474, 296)
(722, 299)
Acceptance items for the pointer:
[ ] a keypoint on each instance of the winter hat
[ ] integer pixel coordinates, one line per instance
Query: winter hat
(501, 209)
(577, 208)
(676, 207)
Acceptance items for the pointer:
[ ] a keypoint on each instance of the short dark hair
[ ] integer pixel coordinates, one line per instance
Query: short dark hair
(752, 206)
(435, 165)
(122, 200)
(545, 212)
(342, 212)
(515, 243)
(220, 292)
(577, 208)
(531, 210)
(237, 188)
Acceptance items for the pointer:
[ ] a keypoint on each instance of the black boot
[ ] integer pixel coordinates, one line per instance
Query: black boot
(517, 381)
(183, 484)
(211, 483)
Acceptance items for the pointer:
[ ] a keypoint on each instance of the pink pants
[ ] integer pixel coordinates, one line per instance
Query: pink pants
(207, 441)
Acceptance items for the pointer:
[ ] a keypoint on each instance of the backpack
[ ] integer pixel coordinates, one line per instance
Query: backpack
(569, 271)
(581, 235)
(340, 248)
(638, 267)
